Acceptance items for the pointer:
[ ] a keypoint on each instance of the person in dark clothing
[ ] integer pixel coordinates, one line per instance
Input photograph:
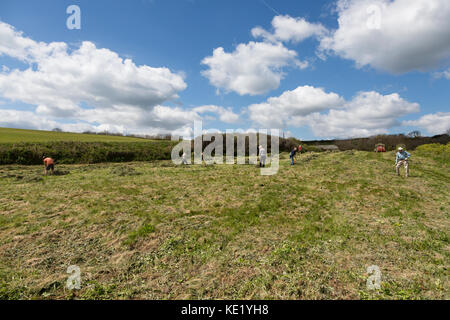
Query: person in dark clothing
(292, 155)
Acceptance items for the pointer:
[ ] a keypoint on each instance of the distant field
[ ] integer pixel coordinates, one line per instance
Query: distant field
(28, 146)
(8, 135)
(159, 231)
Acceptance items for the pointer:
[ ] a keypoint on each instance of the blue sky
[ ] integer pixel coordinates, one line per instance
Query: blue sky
(334, 79)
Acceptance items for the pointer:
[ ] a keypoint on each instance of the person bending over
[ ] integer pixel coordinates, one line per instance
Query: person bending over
(49, 165)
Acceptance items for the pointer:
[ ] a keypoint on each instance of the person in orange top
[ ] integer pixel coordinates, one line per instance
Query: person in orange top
(49, 164)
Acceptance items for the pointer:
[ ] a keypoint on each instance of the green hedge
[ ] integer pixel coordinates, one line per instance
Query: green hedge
(436, 151)
(85, 152)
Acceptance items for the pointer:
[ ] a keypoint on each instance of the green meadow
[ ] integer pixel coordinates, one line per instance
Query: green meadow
(18, 146)
(153, 230)
(8, 135)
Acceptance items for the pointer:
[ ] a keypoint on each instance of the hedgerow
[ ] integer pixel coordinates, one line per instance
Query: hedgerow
(85, 152)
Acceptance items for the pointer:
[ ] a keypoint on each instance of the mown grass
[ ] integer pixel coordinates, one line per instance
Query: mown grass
(159, 231)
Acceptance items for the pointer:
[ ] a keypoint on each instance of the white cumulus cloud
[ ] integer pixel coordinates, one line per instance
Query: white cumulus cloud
(90, 88)
(61, 82)
(252, 68)
(291, 106)
(434, 123)
(287, 28)
(329, 115)
(396, 36)
(257, 67)
(225, 114)
(368, 113)
(62, 78)
(159, 120)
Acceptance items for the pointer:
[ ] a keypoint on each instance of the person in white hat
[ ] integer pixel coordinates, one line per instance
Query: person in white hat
(402, 159)
(262, 156)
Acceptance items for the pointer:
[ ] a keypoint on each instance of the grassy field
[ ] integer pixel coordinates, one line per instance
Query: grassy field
(151, 230)
(8, 135)
(18, 146)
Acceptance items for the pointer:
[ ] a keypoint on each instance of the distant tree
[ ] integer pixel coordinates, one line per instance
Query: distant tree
(56, 130)
(414, 134)
(448, 132)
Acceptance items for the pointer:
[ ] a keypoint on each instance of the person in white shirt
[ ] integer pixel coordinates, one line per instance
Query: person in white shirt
(183, 158)
(262, 156)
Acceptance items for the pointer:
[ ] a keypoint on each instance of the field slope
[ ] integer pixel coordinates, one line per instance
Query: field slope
(18, 146)
(8, 135)
(153, 230)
